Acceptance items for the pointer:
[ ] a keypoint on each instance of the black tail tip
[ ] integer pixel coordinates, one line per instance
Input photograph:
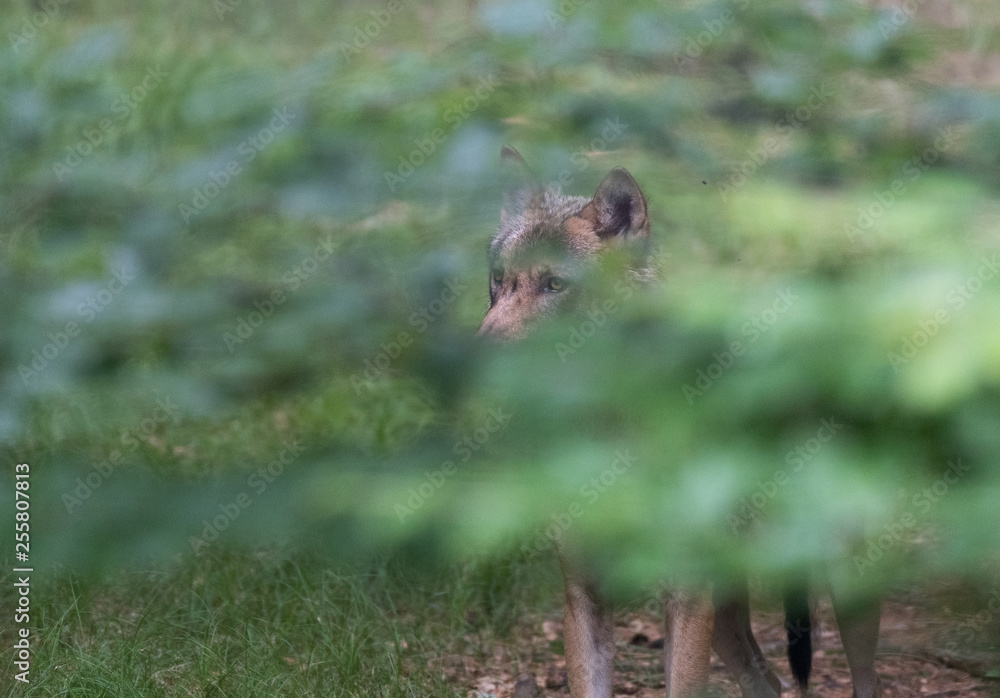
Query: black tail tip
(800, 659)
(799, 627)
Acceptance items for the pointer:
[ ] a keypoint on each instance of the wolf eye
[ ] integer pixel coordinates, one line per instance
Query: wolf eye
(498, 276)
(555, 284)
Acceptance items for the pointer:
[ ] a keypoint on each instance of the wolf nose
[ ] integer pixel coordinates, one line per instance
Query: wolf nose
(486, 330)
(491, 330)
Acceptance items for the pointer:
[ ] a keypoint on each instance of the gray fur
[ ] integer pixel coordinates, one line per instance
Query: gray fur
(529, 214)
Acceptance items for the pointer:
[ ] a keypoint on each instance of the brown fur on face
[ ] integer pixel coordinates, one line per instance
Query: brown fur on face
(546, 238)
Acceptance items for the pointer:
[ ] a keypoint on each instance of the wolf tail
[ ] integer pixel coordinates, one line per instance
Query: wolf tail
(799, 627)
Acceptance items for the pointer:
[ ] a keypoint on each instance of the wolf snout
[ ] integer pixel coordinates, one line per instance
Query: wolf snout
(500, 327)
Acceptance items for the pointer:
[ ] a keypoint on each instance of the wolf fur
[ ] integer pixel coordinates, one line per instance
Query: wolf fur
(545, 239)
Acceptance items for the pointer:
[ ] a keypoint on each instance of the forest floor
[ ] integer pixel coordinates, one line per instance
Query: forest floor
(909, 661)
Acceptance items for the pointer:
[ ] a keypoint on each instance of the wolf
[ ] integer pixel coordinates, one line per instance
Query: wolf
(545, 240)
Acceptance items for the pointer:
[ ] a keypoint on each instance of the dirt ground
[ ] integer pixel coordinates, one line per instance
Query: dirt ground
(908, 663)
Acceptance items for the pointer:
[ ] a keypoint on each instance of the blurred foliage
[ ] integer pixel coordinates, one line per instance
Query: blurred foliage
(242, 261)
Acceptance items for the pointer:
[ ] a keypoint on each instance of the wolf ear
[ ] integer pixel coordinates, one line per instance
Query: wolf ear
(619, 208)
(519, 181)
(512, 159)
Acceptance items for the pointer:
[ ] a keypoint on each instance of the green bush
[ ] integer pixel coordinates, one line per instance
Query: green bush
(243, 262)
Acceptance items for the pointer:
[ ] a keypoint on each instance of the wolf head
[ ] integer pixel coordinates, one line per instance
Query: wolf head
(547, 239)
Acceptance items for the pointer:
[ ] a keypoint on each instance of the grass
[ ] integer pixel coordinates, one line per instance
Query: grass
(236, 622)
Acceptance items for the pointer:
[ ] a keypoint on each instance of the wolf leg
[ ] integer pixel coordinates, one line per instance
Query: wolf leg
(859, 627)
(733, 641)
(688, 642)
(589, 640)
